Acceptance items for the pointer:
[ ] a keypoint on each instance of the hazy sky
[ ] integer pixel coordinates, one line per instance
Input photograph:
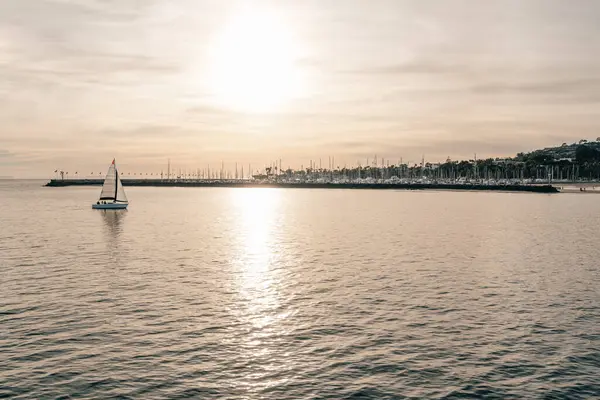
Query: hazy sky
(203, 81)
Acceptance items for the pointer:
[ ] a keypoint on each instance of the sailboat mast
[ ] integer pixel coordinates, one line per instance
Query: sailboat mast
(116, 181)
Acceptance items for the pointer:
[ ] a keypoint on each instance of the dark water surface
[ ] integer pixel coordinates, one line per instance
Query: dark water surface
(298, 294)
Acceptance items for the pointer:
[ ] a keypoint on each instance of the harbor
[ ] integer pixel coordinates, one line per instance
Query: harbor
(566, 168)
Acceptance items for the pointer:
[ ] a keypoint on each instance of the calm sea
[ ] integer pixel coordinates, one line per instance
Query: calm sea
(298, 294)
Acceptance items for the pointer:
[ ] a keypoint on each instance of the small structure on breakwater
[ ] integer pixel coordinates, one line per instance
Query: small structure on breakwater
(313, 185)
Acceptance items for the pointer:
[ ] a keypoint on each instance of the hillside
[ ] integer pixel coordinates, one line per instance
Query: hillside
(581, 152)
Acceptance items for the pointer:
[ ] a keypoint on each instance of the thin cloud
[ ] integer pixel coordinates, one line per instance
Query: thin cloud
(546, 87)
(415, 67)
(6, 154)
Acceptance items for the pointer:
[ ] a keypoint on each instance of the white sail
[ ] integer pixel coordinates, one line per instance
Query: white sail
(113, 187)
(121, 196)
(109, 189)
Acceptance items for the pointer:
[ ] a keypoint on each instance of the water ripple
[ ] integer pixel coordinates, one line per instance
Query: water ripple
(280, 294)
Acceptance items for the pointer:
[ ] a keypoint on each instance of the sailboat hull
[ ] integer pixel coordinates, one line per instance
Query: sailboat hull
(110, 206)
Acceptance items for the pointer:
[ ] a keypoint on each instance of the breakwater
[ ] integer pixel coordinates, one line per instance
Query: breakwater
(309, 185)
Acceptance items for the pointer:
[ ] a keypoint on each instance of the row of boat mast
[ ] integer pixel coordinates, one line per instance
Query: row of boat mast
(378, 168)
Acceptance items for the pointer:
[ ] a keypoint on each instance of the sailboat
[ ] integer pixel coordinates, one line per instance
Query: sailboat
(113, 195)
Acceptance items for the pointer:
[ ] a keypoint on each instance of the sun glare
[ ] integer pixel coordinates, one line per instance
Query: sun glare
(253, 63)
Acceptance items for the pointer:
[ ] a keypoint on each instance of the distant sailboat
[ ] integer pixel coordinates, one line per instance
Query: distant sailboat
(113, 195)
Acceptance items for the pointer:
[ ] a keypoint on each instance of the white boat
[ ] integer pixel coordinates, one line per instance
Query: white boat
(113, 195)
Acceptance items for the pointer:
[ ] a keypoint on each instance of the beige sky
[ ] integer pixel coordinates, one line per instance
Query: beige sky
(199, 82)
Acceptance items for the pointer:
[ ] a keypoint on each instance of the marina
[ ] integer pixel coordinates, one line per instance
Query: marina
(567, 168)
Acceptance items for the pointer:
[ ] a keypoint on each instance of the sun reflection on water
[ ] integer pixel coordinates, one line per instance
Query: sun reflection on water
(254, 265)
(260, 305)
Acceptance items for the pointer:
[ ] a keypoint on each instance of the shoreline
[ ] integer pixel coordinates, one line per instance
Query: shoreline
(306, 185)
